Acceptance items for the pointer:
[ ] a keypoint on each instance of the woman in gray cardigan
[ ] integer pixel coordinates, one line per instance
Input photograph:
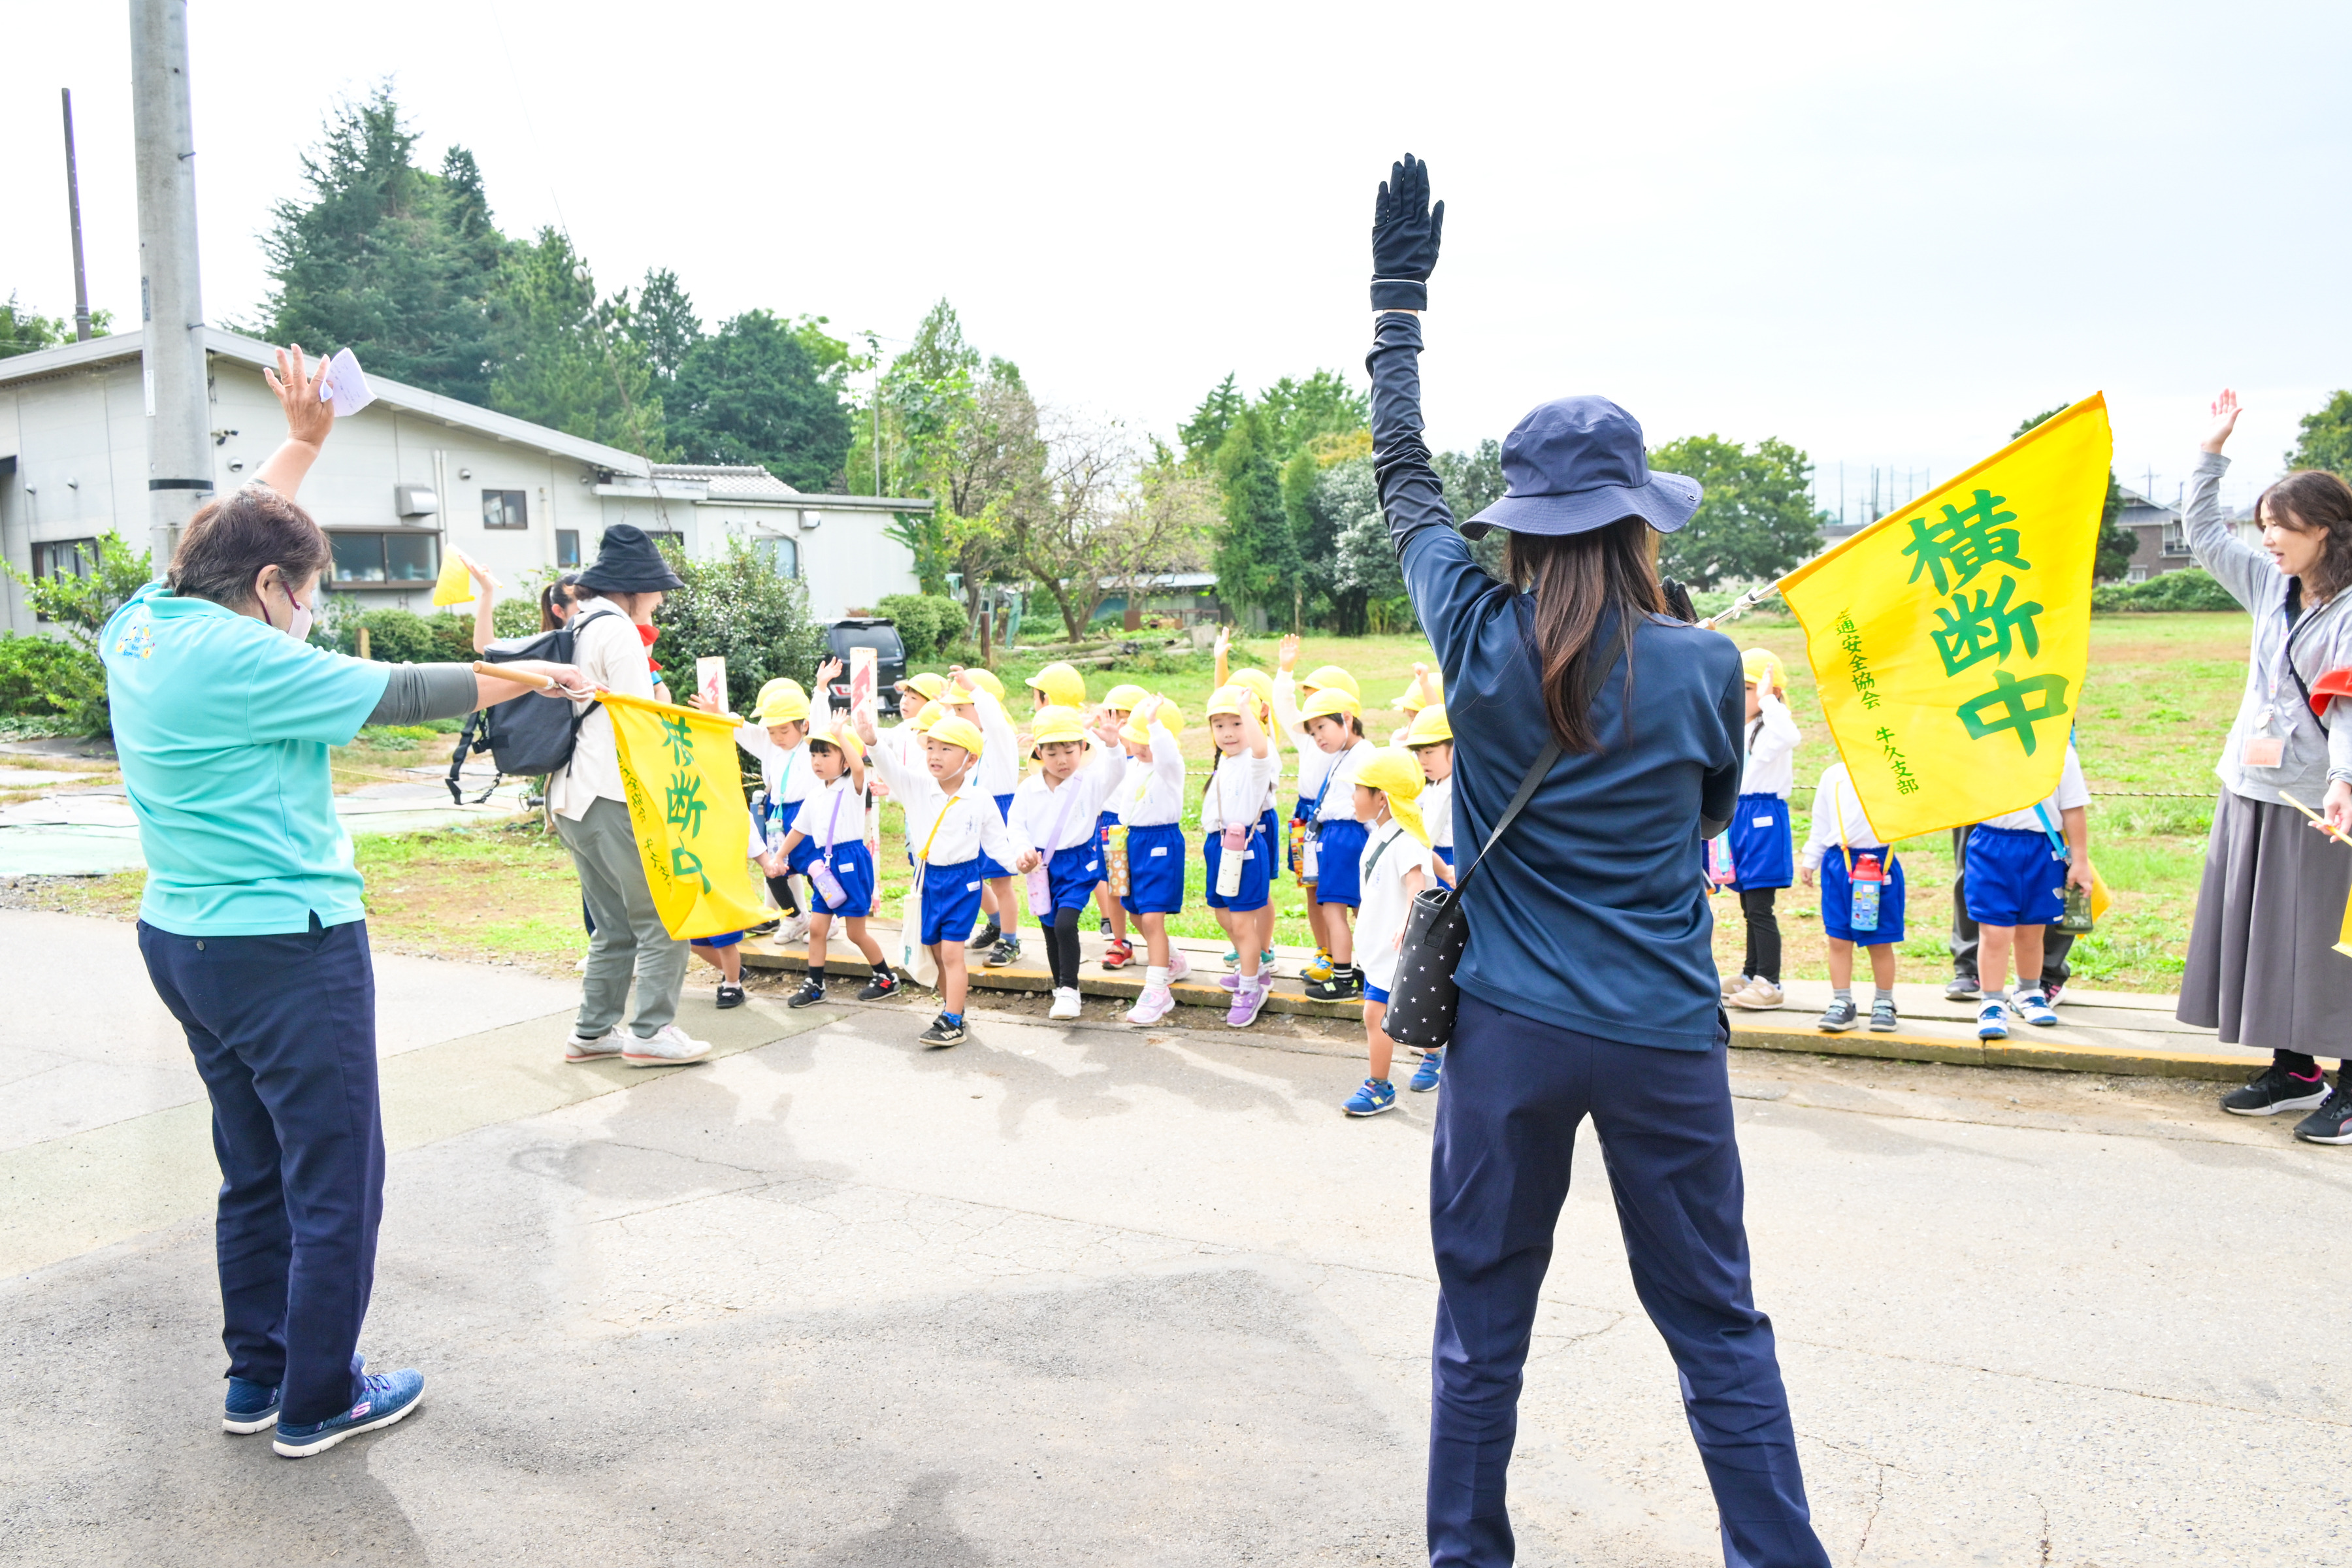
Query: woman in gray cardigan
(2262, 961)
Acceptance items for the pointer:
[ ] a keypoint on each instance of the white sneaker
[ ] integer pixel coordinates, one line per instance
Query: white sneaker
(582, 1047)
(1156, 1002)
(1757, 995)
(794, 928)
(669, 1047)
(1178, 965)
(1065, 1003)
(1733, 984)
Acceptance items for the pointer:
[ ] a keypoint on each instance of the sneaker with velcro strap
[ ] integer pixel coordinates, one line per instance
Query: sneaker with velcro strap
(880, 985)
(1992, 1020)
(1842, 1014)
(1372, 1095)
(1006, 953)
(2034, 1008)
(1883, 1020)
(1426, 1076)
(941, 1033)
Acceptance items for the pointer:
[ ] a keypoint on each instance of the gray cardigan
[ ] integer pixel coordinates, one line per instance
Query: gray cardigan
(2314, 752)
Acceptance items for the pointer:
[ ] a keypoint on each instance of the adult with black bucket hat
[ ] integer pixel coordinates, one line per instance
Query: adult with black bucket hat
(1587, 986)
(612, 632)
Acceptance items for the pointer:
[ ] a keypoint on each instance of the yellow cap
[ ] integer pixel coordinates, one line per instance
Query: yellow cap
(931, 715)
(1411, 700)
(1331, 676)
(1063, 687)
(1258, 681)
(1331, 701)
(928, 685)
(956, 730)
(1396, 773)
(1429, 727)
(1756, 661)
(1164, 713)
(1056, 722)
(841, 735)
(781, 702)
(1123, 699)
(1230, 701)
(986, 681)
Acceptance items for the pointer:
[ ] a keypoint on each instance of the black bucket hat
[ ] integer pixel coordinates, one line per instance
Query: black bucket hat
(1577, 463)
(627, 562)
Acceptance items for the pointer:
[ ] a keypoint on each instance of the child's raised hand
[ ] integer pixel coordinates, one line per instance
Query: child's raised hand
(708, 704)
(1286, 653)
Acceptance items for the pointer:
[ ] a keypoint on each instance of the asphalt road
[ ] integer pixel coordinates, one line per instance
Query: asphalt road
(1095, 1295)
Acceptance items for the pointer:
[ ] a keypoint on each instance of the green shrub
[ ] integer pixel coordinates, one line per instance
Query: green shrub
(512, 618)
(738, 608)
(51, 678)
(403, 637)
(927, 623)
(2191, 588)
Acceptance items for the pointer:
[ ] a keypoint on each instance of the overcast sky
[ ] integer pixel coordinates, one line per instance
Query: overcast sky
(1884, 233)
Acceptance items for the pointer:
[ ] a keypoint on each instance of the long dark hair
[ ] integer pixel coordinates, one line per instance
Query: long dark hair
(1580, 581)
(2314, 499)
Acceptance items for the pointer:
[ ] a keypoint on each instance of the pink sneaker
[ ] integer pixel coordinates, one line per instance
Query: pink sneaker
(1178, 965)
(1247, 1002)
(1156, 1002)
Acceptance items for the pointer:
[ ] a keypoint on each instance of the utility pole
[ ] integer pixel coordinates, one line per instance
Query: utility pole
(73, 209)
(171, 298)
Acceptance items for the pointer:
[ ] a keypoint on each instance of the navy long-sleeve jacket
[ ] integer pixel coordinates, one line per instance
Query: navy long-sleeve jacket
(1593, 915)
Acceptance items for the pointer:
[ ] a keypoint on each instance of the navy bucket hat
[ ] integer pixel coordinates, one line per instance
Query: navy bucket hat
(1576, 464)
(627, 562)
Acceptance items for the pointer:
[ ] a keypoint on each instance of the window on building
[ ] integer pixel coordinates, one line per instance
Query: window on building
(388, 558)
(782, 553)
(2176, 540)
(2135, 574)
(567, 548)
(64, 558)
(504, 509)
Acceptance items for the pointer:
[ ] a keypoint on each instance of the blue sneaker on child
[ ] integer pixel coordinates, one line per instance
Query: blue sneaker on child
(1993, 1021)
(384, 1398)
(2034, 1008)
(1373, 1096)
(1424, 1077)
(251, 1406)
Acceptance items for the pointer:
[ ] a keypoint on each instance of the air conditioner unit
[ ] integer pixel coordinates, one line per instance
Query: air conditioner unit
(414, 501)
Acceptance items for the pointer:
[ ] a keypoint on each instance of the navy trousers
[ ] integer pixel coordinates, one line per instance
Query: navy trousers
(283, 1028)
(1515, 1092)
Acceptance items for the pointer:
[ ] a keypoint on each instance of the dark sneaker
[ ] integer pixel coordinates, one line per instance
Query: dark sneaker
(2331, 1124)
(2277, 1090)
(730, 995)
(941, 1033)
(765, 928)
(879, 986)
(1104, 924)
(383, 1399)
(808, 995)
(1882, 1018)
(1007, 951)
(1344, 985)
(1842, 1016)
(2049, 992)
(1964, 988)
(986, 936)
(251, 1406)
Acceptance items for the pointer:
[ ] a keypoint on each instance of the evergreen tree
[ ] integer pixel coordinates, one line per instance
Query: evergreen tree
(1205, 433)
(1256, 557)
(398, 264)
(23, 331)
(2324, 440)
(666, 323)
(751, 393)
(569, 360)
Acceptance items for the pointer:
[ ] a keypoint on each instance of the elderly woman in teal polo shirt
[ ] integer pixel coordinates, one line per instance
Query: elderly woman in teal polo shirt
(252, 926)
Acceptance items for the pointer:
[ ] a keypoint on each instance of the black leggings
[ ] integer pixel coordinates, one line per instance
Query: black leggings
(781, 888)
(1062, 949)
(1763, 961)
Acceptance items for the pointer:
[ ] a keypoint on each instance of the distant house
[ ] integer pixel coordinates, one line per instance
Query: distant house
(1191, 597)
(412, 474)
(2163, 544)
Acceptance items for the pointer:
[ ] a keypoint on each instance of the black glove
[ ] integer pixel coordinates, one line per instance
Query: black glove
(1404, 239)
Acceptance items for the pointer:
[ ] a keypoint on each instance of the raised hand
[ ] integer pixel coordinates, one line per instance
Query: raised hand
(296, 382)
(1285, 653)
(1405, 233)
(828, 672)
(2225, 420)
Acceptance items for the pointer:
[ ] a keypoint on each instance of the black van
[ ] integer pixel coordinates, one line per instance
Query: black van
(881, 634)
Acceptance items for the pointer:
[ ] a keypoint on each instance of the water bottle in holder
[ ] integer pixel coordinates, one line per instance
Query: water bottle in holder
(1719, 870)
(1311, 854)
(1235, 845)
(1868, 876)
(1115, 865)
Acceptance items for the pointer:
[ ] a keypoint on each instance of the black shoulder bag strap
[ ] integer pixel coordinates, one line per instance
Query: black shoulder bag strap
(1596, 672)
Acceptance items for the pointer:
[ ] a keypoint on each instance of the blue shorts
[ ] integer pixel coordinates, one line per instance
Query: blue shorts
(1104, 822)
(951, 900)
(1374, 994)
(1338, 857)
(1256, 872)
(1155, 870)
(1071, 875)
(854, 864)
(1761, 851)
(989, 869)
(1444, 852)
(2013, 878)
(727, 939)
(1837, 901)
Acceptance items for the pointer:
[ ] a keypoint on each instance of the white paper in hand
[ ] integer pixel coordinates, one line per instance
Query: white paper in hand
(344, 385)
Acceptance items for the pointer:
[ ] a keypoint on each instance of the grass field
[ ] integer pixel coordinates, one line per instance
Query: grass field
(2157, 700)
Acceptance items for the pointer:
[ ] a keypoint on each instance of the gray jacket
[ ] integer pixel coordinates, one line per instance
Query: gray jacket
(2321, 641)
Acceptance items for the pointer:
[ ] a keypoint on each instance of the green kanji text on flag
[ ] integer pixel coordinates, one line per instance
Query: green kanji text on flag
(1964, 542)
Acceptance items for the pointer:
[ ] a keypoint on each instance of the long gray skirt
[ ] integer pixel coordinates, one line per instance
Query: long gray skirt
(2263, 965)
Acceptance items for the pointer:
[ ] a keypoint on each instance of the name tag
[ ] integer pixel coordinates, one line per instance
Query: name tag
(1092, 864)
(2263, 751)
(1760, 822)
(971, 887)
(1162, 850)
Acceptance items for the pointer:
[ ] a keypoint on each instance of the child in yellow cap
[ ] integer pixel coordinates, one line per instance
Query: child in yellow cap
(841, 872)
(1394, 866)
(1118, 705)
(1762, 848)
(778, 735)
(1317, 801)
(977, 697)
(1430, 738)
(1334, 840)
(1237, 845)
(1150, 809)
(1053, 827)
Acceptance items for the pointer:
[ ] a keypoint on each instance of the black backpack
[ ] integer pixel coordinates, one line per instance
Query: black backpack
(526, 735)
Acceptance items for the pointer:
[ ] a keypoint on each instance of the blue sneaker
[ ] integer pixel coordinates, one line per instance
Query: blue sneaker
(251, 1406)
(1373, 1096)
(1424, 1077)
(1993, 1021)
(383, 1399)
(2034, 1008)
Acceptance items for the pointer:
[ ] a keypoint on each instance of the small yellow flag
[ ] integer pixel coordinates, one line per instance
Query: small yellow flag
(687, 808)
(1949, 639)
(455, 586)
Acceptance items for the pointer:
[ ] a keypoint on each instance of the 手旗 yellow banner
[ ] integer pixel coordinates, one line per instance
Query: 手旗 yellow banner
(687, 808)
(1949, 639)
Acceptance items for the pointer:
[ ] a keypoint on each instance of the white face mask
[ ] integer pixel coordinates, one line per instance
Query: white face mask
(297, 626)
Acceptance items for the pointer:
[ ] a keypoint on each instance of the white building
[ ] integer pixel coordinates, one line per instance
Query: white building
(408, 475)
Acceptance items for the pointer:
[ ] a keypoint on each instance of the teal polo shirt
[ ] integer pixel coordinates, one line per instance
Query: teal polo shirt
(222, 725)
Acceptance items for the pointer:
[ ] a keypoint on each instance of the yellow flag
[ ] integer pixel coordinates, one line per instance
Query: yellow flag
(1949, 639)
(686, 806)
(454, 586)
